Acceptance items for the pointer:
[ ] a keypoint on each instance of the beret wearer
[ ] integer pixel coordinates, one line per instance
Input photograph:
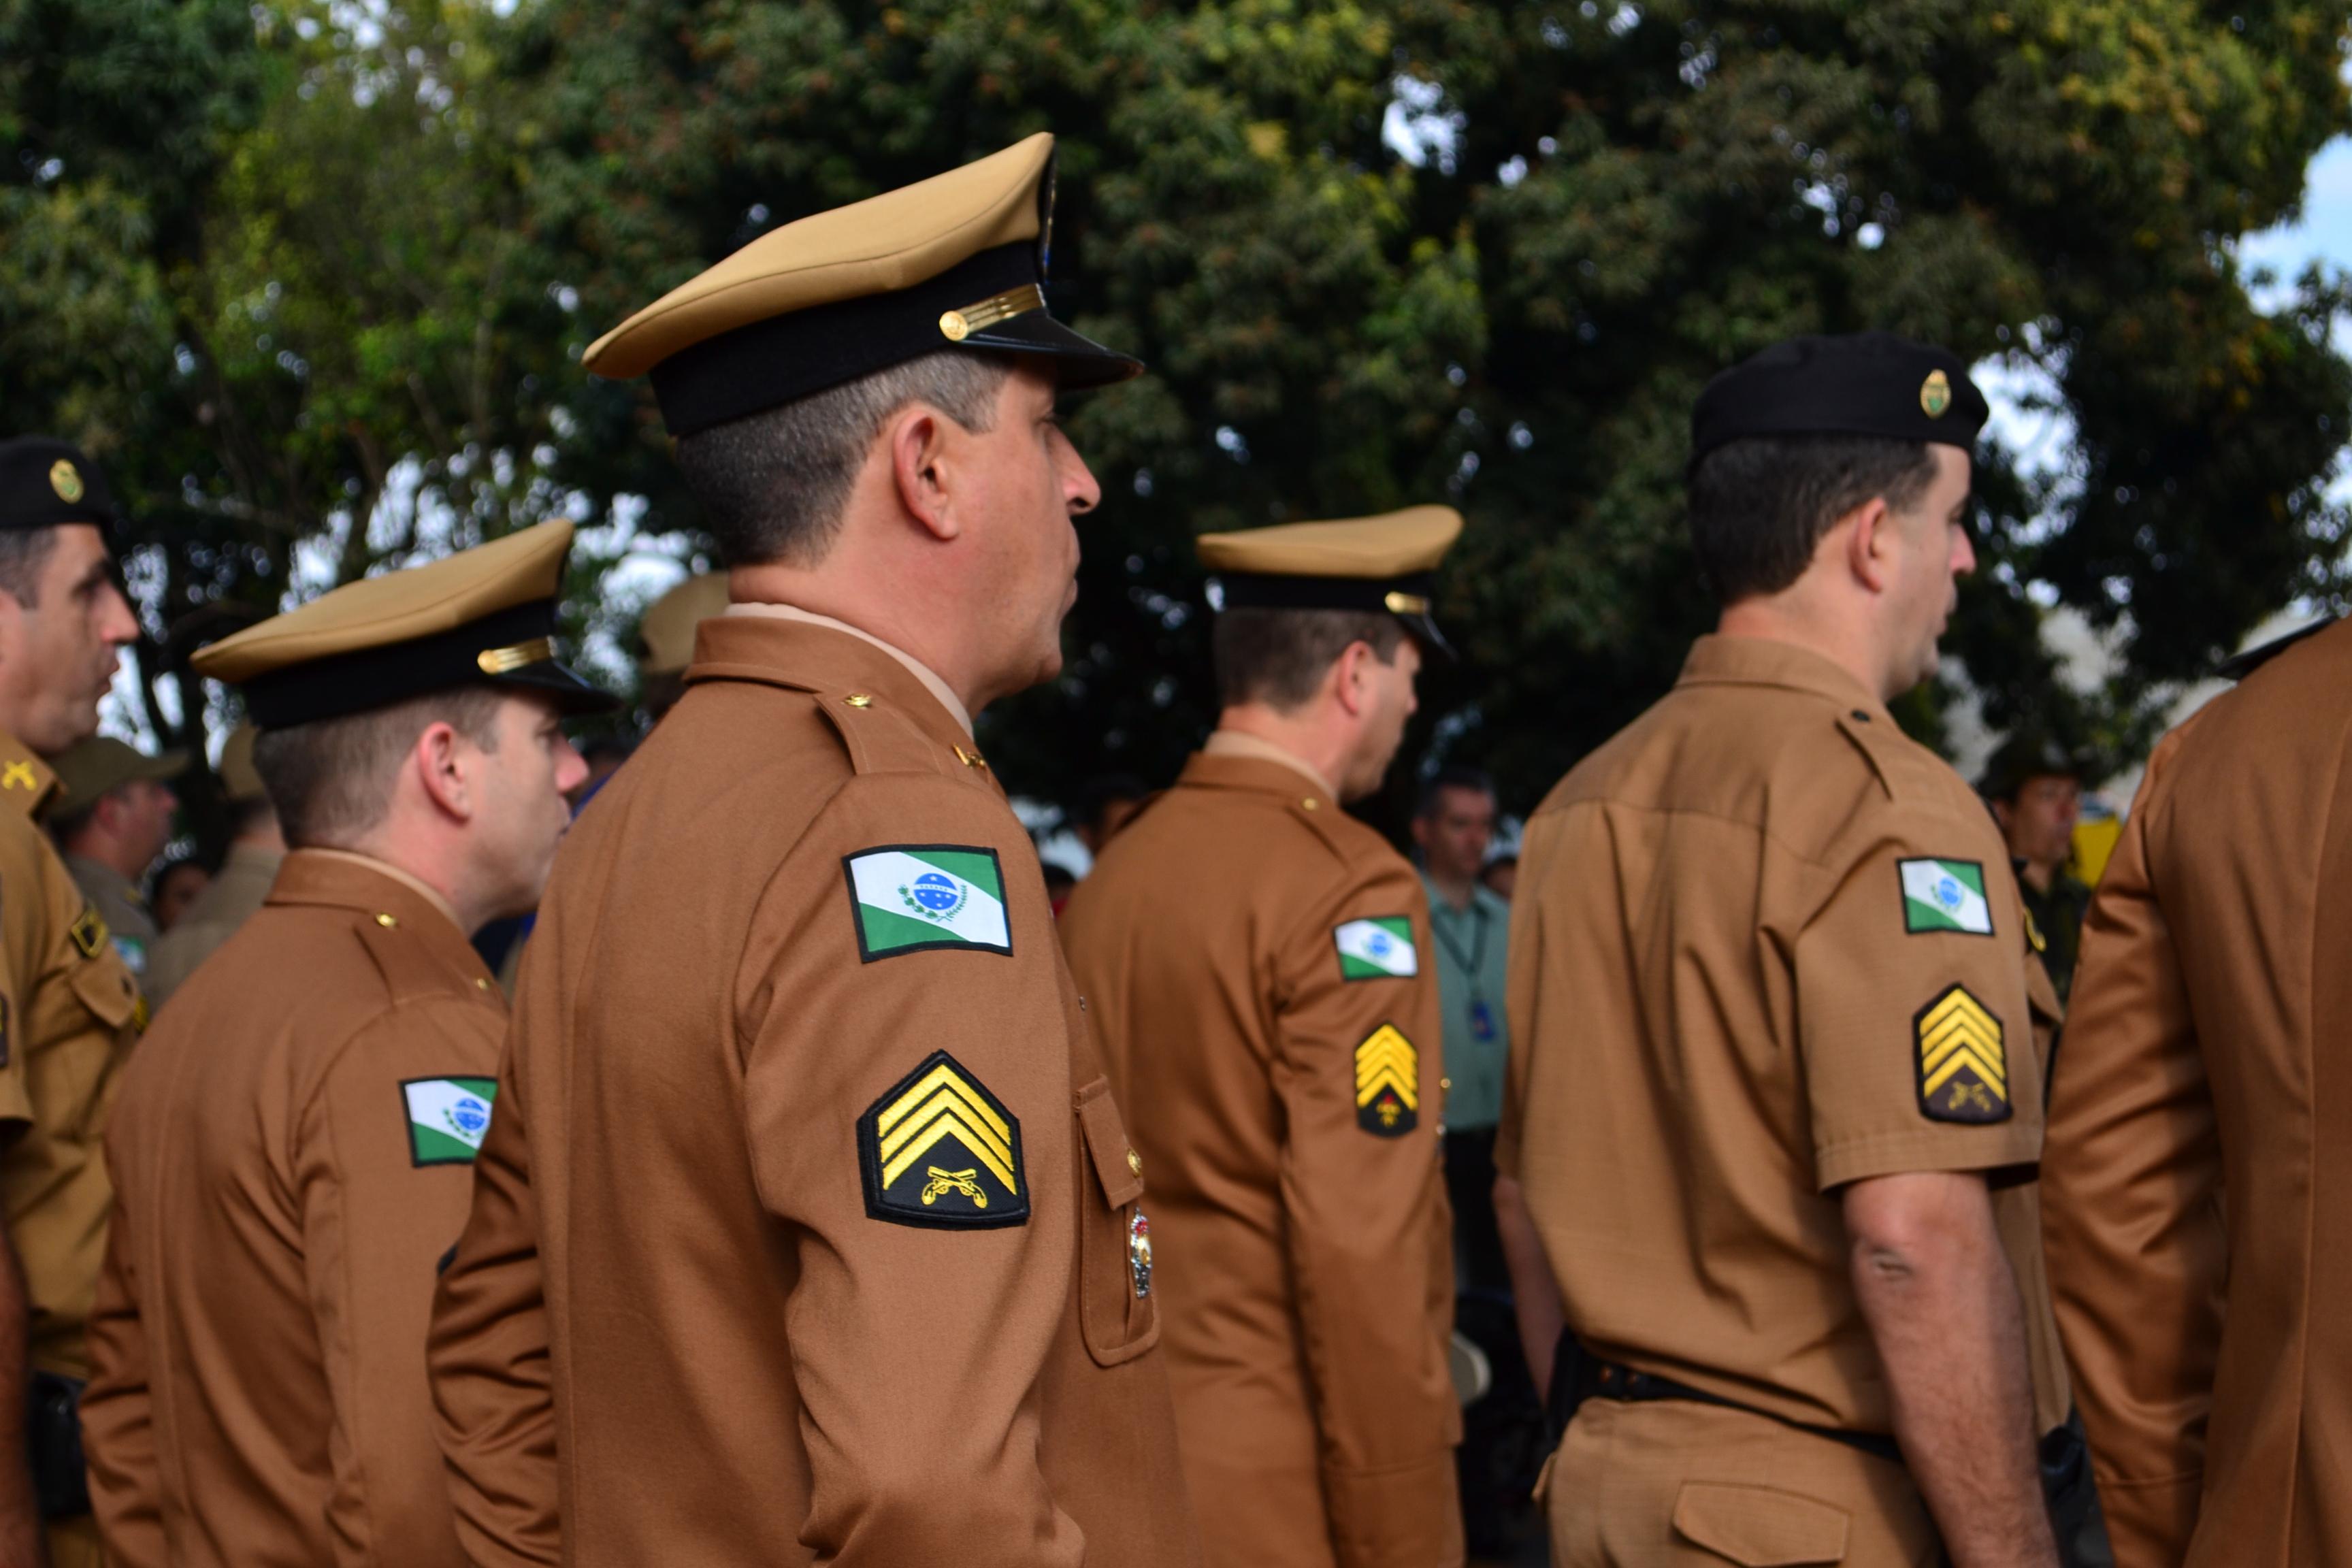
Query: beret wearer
(45, 483)
(1386, 562)
(954, 262)
(483, 616)
(1866, 384)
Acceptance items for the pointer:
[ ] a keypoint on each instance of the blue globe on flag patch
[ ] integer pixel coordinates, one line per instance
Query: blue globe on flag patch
(1947, 892)
(470, 1118)
(935, 896)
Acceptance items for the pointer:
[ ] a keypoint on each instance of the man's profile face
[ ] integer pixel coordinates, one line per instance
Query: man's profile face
(147, 808)
(1933, 551)
(524, 811)
(58, 654)
(2039, 820)
(1029, 484)
(1453, 837)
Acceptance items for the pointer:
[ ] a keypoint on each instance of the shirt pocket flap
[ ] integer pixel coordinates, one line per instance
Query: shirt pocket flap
(1106, 1134)
(1759, 1527)
(105, 988)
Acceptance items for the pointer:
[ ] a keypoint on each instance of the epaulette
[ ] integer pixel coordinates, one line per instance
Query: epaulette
(881, 739)
(1321, 815)
(408, 971)
(2237, 667)
(1890, 753)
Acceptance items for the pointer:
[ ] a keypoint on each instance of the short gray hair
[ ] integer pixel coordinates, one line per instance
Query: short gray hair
(774, 485)
(24, 553)
(331, 779)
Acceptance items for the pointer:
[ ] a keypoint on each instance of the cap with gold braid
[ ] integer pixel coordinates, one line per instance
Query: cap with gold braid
(957, 261)
(1386, 562)
(484, 614)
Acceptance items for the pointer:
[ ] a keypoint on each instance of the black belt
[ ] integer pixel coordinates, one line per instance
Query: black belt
(1579, 1375)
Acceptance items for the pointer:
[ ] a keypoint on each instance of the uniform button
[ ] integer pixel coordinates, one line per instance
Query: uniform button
(480, 984)
(1307, 804)
(859, 699)
(1135, 1162)
(1446, 1083)
(387, 921)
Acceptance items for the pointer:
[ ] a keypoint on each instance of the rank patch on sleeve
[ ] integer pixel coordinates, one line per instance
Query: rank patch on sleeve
(1377, 948)
(939, 1149)
(1388, 1083)
(1963, 1065)
(446, 1118)
(89, 930)
(911, 898)
(1944, 895)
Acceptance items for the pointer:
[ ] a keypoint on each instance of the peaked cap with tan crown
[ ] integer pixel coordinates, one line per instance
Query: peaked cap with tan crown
(956, 261)
(1385, 562)
(485, 615)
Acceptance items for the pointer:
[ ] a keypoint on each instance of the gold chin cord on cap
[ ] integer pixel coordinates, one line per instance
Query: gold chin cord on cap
(956, 325)
(1406, 605)
(499, 660)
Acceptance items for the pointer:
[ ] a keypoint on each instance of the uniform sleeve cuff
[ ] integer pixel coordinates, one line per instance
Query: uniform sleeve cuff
(1998, 1152)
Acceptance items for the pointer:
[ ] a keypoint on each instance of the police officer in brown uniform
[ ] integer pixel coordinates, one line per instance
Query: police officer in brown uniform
(803, 1230)
(67, 1004)
(2198, 1180)
(1256, 961)
(293, 1146)
(1775, 1074)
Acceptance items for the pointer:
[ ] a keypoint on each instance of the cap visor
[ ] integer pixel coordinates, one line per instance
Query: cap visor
(1079, 362)
(1424, 631)
(550, 679)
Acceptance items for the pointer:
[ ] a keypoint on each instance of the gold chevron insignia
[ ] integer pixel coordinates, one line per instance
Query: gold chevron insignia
(1388, 1083)
(1963, 1062)
(939, 1150)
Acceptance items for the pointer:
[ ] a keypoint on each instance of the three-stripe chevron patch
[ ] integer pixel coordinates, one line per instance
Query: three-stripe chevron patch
(1388, 1083)
(1963, 1063)
(939, 1149)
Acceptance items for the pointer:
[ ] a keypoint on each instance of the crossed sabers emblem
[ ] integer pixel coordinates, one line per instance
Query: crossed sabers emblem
(18, 775)
(942, 1182)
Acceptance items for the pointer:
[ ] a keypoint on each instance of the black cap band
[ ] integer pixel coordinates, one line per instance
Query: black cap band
(1864, 384)
(784, 358)
(512, 648)
(1409, 598)
(47, 483)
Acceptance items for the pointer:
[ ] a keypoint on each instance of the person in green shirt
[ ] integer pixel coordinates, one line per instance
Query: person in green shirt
(1471, 928)
(2035, 789)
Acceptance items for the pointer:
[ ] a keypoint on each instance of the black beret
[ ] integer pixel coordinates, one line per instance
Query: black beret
(1866, 384)
(44, 482)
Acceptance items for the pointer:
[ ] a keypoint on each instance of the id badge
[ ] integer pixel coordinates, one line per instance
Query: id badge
(1482, 1021)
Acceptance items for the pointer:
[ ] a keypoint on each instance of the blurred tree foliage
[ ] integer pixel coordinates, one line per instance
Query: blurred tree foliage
(1377, 251)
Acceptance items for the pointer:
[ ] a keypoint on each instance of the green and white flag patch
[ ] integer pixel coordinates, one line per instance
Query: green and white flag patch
(1944, 895)
(1377, 948)
(911, 898)
(446, 1118)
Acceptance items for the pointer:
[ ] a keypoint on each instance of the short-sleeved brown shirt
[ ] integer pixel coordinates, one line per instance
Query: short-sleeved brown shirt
(67, 1018)
(1764, 945)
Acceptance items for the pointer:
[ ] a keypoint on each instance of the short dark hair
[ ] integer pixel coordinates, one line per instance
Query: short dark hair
(331, 779)
(596, 748)
(24, 552)
(773, 485)
(1451, 776)
(1096, 794)
(1279, 656)
(1759, 506)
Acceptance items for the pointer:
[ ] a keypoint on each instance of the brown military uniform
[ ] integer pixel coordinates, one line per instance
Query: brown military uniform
(1257, 962)
(228, 902)
(130, 924)
(292, 1154)
(67, 1006)
(2198, 1177)
(1763, 946)
(805, 1218)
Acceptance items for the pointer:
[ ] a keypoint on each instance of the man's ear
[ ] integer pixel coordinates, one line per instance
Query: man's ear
(1870, 544)
(439, 761)
(918, 442)
(1349, 682)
